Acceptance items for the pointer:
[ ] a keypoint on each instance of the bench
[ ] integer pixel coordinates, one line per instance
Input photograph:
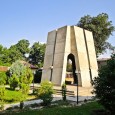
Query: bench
(68, 93)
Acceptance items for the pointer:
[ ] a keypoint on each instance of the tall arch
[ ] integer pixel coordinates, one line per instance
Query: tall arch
(72, 58)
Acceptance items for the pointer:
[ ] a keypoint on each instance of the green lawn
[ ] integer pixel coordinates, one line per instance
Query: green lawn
(11, 96)
(60, 109)
(14, 96)
(85, 109)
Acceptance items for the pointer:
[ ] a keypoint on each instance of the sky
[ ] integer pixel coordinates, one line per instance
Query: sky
(33, 19)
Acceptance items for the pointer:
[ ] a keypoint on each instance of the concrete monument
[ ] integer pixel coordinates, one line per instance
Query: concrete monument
(70, 42)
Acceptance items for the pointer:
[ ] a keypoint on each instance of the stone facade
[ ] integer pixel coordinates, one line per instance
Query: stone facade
(63, 42)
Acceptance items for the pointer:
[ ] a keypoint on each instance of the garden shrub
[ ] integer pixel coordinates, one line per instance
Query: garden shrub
(25, 81)
(104, 85)
(24, 88)
(2, 92)
(3, 78)
(17, 68)
(45, 92)
(27, 76)
(19, 74)
(13, 81)
(2, 89)
(2, 95)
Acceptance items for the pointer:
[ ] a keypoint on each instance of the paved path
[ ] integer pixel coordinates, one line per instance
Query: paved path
(84, 93)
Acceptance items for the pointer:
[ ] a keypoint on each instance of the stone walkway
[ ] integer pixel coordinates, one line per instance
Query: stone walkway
(83, 93)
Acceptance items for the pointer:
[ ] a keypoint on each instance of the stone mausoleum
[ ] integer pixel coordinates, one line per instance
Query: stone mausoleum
(70, 42)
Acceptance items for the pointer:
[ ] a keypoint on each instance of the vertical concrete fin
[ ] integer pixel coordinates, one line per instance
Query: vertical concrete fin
(75, 53)
(59, 57)
(87, 55)
(93, 68)
(82, 57)
(49, 55)
(67, 51)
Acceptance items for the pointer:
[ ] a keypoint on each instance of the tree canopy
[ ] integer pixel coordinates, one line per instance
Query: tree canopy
(18, 52)
(101, 28)
(37, 52)
(22, 47)
(15, 52)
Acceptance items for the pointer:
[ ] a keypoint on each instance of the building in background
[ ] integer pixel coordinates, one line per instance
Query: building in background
(102, 62)
(4, 68)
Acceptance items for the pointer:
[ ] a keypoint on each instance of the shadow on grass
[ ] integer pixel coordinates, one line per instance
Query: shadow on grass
(100, 112)
(8, 88)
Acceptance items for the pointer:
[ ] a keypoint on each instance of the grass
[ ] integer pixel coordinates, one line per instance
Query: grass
(12, 96)
(15, 96)
(85, 109)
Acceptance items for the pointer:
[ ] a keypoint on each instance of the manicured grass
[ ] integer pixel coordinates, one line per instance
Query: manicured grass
(85, 109)
(14, 96)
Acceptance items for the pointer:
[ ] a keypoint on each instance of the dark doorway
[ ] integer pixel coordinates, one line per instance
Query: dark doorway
(71, 67)
(37, 76)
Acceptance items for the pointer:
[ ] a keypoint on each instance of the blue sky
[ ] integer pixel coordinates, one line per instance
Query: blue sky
(33, 19)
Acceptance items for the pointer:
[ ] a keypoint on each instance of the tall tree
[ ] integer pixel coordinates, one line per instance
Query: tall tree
(4, 55)
(36, 56)
(22, 47)
(14, 55)
(16, 52)
(1, 51)
(101, 28)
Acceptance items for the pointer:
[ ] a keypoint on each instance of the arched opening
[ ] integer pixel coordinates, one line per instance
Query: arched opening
(71, 77)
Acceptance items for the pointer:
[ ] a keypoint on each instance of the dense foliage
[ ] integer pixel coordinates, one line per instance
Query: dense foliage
(20, 51)
(37, 52)
(20, 75)
(104, 85)
(15, 52)
(2, 95)
(45, 92)
(17, 68)
(3, 78)
(13, 81)
(26, 80)
(101, 28)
